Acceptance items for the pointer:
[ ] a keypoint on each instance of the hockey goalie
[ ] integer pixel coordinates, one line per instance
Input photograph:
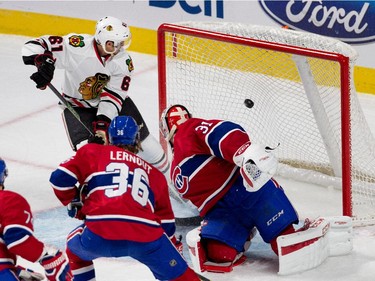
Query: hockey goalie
(230, 180)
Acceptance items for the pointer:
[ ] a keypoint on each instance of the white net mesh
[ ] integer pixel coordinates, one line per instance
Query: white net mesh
(297, 100)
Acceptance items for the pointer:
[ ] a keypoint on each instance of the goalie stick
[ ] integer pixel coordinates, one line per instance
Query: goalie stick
(202, 278)
(69, 107)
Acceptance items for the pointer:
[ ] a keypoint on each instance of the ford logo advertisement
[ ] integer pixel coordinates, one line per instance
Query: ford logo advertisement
(350, 21)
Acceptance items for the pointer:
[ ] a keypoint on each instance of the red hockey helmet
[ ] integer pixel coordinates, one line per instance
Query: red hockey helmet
(171, 118)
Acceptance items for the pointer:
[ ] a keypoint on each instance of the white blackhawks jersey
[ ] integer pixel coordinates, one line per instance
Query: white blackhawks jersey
(90, 80)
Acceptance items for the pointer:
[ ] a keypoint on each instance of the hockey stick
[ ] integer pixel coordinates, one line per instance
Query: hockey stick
(69, 107)
(202, 278)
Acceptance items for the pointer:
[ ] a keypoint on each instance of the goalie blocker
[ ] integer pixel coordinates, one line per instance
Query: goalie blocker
(303, 250)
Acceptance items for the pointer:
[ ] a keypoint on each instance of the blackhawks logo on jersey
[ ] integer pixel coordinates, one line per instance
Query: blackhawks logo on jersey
(129, 63)
(76, 41)
(93, 86)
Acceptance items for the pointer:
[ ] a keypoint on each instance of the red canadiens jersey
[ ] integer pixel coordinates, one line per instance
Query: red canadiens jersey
(16, 230)
(125, 198)
(202, 167)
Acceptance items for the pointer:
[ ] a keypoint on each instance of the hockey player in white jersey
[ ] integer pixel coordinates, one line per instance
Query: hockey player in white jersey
(97, 75)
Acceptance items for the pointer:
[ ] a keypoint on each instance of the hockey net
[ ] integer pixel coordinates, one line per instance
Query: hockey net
(303, 93)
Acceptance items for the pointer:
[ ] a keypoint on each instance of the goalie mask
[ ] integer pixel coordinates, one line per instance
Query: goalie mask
(112, 29)
(123, 130)
(171, 118)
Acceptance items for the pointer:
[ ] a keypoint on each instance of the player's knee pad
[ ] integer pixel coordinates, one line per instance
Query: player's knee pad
(219, 252)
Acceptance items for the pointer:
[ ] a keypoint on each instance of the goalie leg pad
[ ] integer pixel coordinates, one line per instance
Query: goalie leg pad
(340, 235)
(272, 211)
(223, 225)
(198, 255)
(219, 252)
(304, 250)
(196, 252)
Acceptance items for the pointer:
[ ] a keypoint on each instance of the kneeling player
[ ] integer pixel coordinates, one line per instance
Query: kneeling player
(230, 180)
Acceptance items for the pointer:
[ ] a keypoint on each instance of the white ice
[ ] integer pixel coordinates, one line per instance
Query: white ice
(33, 143)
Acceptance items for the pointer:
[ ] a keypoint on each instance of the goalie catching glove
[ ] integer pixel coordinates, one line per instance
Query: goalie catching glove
(45, 64)
(258, 165)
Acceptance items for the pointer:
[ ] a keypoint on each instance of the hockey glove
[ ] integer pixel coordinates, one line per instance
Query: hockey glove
(100, 131)
(26, 274)
(74, 209)
(56, 266)
(45, 64)
(258, 166)
(178, 244)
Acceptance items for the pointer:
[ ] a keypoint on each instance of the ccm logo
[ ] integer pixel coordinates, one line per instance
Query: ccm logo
(275, 217)
(205, 7)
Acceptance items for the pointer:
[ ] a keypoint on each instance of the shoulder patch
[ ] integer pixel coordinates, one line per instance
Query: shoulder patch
(129, 63)
(76, 41)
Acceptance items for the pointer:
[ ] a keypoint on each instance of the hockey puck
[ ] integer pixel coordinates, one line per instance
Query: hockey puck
(248, 103)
